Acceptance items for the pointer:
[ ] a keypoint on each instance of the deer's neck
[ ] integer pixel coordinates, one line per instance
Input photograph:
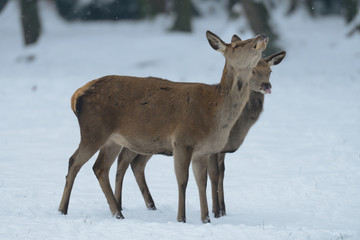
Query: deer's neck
(235, 91)
(233, 80)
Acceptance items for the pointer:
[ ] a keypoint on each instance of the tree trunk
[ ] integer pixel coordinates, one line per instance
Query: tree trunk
(2, 4)
(293, 6)
(30, 21)
(258, 17)
(183, 11)
(351, 9)
(310, 6)
(353, 31)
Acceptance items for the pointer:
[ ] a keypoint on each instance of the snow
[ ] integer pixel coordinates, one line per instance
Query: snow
(297, 175)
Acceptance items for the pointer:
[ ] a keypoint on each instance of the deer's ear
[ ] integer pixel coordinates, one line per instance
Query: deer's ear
(215, 42)
(275, 59)
(235, 38)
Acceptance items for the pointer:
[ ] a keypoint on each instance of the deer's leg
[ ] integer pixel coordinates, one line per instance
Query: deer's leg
(124, 159)
(85, 151)
(182, 158)
(200, 172)
(221, 162)
(138, 167)
(101, 169)
(213, 170)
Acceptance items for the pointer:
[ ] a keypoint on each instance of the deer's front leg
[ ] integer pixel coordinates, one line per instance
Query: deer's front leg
(200, 172)
(182, 158)
(213, 170)
(221, 164)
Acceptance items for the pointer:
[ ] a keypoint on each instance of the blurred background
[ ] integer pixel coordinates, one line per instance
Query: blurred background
(257, 13)
(297, 175)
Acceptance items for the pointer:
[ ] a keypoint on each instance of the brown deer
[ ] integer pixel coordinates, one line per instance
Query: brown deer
(259, 85)
(152, 116)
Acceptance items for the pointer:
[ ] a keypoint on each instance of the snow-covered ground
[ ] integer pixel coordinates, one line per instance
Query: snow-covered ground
(297, 176)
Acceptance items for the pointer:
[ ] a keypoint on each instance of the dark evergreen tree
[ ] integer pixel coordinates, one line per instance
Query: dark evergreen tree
(149, 8)
(66, 8)
(30, 21)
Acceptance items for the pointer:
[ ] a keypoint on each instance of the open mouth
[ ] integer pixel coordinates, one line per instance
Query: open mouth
(266, 91)
(265, 88)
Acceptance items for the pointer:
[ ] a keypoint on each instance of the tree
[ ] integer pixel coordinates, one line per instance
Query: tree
(317, 8)
(2, 4)
(259, 20)
(66, 8)
(30, 21)
(351, 8)
(293, 6)
(183, 10)
(151, 7)
(347, 8)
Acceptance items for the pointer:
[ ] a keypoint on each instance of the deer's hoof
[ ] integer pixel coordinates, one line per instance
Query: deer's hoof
(63, 212)
(151, 207)
(206, 219)
(181, 219)
(119, 216)
(222, 212)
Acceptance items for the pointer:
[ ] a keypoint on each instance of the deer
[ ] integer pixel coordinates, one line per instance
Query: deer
(249, 116)
(259, 85)
(156, 116)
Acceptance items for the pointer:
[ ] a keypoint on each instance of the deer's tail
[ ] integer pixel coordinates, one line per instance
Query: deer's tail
(75, 106)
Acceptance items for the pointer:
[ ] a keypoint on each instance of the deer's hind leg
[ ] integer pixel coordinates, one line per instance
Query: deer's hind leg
(125, 157)
(87, 148)
(200, 172)
(106, 158)
(138, 168)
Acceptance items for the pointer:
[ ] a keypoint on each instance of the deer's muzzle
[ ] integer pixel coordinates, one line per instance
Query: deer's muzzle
(262, 41)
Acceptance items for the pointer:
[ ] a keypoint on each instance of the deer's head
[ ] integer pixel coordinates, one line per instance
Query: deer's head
(239, 54)
(260, 76)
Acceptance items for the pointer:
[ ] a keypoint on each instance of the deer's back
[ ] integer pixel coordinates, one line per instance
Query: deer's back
(155, 109)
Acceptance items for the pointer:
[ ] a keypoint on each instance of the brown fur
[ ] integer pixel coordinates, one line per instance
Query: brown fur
(152, 115)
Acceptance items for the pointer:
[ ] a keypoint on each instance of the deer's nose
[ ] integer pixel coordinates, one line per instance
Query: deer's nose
(266, 86)
(264, 37)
